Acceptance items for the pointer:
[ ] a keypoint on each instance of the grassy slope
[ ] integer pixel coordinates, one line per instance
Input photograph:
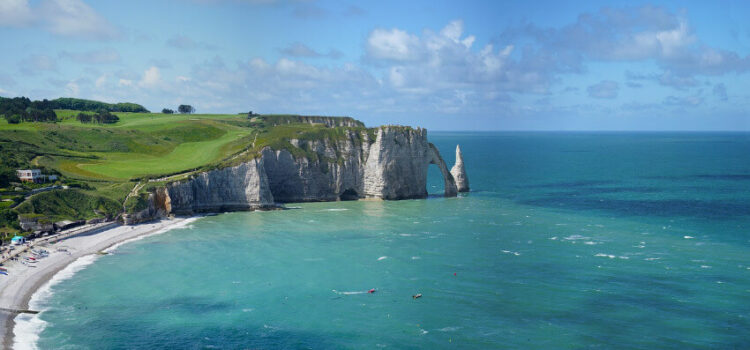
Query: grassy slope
(111, 159)
(69, 204)
(140, 144)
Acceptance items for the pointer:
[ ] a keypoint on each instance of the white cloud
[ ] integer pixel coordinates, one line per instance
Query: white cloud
(69, 18)
(73, 18)
(285, 85)
(151, 78)
(14, 13)
(632, 34)
(673, 40)
(444, 62)
(125, 82)
(394, 44)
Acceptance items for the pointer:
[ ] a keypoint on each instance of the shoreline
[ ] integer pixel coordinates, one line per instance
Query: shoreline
(22, 281)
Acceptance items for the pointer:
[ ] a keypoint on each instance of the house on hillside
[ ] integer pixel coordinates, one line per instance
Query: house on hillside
(30, 175)
(34, 175)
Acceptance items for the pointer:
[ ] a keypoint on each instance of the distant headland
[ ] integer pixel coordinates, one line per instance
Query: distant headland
(118, 162)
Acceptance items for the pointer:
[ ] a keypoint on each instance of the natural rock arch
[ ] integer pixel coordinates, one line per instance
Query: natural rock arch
(448, 181)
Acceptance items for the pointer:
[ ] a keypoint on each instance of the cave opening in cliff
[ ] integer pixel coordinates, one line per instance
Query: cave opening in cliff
(349, 195)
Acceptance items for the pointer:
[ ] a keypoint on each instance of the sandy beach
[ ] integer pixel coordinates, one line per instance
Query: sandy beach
(23, 280)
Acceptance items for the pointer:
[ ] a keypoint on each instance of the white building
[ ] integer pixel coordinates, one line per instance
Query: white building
(30, 175)
(34, 175)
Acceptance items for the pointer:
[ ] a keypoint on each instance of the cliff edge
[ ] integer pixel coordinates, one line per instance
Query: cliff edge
(388, 163)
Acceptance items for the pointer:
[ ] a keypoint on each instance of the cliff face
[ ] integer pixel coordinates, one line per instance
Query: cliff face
(333, 173)
(243, 187)
(392, 166)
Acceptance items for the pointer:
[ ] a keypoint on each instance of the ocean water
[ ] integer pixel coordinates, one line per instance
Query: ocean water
(567, 240)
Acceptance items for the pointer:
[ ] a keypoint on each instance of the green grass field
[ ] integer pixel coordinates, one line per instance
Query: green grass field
(139, 145)
(183, 157)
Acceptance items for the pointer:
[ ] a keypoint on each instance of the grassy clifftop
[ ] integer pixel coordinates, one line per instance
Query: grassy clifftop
(107, 161)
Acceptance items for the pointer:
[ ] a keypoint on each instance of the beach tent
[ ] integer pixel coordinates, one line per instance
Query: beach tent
(18, 240)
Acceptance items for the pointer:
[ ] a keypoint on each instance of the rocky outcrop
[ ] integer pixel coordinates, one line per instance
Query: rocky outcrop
(146, 214)
(397, 165)
(459, 172)
(347, 166)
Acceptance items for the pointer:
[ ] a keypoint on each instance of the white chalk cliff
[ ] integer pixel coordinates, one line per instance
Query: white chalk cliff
(392, 166)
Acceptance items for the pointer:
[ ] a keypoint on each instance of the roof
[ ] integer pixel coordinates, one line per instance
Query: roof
(16, 238)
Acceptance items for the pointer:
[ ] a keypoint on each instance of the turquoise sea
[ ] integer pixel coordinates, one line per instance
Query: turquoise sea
(567, 241)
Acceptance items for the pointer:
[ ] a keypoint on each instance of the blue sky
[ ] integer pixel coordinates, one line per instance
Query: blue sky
(470, 65)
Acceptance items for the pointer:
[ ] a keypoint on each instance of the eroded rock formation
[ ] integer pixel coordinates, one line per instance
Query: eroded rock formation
(391, 166)
(459, 172)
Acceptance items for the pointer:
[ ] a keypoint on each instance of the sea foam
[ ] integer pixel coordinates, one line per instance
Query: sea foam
(28, 327)
(186, 224)
(349, 293)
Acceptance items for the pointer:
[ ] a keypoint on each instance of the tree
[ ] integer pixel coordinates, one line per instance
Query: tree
(167, 111)
(101, 117)
(13, 119)
(83, 117)
(107, 118)
(185, 109)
